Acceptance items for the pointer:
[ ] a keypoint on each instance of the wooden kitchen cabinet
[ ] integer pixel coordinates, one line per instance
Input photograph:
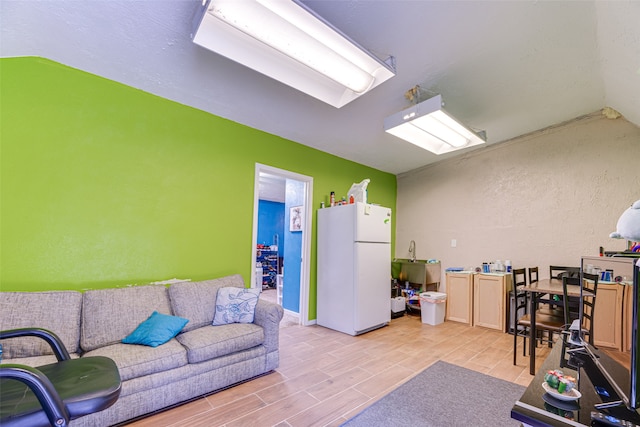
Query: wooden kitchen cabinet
(612, 326)
(607, 326)
(460, 298)
(490, 293)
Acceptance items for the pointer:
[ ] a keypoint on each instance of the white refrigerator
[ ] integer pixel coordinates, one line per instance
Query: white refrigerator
(354, 268)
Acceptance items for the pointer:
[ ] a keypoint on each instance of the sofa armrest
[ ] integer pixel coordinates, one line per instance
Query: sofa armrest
(268, 315)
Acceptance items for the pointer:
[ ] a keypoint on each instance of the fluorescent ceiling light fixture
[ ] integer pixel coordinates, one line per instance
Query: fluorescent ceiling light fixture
(429, 126)
(289, 43)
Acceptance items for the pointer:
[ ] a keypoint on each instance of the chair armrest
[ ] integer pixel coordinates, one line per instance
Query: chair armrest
(52, 339)
(42, 388)
(268, 315)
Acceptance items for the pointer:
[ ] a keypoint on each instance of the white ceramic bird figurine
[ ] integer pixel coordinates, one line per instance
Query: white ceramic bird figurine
(628, 226)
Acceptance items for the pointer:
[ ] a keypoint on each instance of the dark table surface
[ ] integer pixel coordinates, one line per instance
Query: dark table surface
(537, 408)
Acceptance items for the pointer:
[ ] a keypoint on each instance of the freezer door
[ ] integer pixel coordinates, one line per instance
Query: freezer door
(373, 289)
(373, 223)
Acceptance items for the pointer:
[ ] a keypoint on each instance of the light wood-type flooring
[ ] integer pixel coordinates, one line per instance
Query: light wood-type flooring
(326, 377)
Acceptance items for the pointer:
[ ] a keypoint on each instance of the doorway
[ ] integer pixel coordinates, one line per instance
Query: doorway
(293, 192)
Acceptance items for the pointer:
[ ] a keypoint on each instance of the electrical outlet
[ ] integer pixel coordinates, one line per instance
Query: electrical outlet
(454, 243)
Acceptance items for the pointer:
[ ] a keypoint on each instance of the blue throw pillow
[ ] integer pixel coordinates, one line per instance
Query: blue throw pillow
(235, 305)
(156, 330)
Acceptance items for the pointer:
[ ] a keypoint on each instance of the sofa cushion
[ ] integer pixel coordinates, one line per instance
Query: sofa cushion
(109, 315)
(138, 360)
(235, 305)
(209, 342)
(57, 311)
(156, 330)
(196, 301)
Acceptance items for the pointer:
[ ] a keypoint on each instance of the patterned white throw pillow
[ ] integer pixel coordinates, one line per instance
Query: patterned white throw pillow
(235, 305)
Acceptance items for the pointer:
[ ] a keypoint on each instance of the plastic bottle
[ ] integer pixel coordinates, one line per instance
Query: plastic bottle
(507, 263)
(332, 199)
(351, 199)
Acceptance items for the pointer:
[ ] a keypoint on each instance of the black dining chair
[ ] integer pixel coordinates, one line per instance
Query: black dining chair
(55, 394)
(544, 323)
(548, 323)
(558, 272)
(519, 308)
(572, 305)
(547, 307)
(519, 280)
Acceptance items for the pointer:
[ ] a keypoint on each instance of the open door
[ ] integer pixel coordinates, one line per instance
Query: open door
(294, 191)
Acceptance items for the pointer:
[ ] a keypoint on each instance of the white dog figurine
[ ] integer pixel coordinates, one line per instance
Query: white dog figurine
(628, 226)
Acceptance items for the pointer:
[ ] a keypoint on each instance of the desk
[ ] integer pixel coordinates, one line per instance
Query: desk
(545, 286)
(533, 407)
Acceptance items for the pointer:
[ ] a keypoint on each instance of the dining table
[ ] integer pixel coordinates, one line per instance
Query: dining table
(550, 287)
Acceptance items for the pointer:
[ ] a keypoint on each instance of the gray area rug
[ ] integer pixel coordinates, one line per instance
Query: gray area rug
(444, 395)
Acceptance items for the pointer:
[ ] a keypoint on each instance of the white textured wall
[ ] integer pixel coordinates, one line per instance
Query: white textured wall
(545, 198)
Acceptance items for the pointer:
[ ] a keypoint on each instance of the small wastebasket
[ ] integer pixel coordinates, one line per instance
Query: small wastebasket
(398, 307)
(432, 307)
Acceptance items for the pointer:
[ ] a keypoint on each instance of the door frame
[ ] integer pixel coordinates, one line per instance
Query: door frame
(305, 267)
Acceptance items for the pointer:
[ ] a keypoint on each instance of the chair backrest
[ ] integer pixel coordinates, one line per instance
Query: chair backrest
(521, 297)
(571, 310)
(519, 277)
(570, 304)
(589, 283)
(558, 272)
(533, 275)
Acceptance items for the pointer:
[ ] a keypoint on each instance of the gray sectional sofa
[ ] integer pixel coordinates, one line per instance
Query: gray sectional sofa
(201, 359)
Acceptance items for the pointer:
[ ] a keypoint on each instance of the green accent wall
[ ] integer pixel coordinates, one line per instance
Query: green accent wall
(104, 185)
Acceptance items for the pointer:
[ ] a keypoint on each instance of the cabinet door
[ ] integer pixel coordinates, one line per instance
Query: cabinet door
(607, 326)
(460, 298)
(489, 296)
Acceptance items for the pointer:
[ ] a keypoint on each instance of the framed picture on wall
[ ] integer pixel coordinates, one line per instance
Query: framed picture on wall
(296, 217)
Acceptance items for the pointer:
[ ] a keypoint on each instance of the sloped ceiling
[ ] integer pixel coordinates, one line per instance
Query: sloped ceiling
(508, 68)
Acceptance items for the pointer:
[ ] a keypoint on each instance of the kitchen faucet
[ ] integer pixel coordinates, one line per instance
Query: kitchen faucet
(412, 251)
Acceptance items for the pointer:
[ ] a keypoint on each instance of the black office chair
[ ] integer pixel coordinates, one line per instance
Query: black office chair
(55, 394)
(572, 305)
